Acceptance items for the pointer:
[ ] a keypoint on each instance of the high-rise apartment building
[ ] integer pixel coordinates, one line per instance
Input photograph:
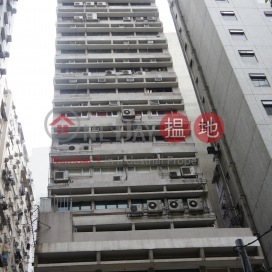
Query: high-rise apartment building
(15, 192)
(15, 188)
(227, 44)
(121, 197)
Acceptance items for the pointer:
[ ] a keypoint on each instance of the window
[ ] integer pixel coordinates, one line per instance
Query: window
(268, 14)
(247, 55)
(267, 104)
(104, 114)
(81, 206)
(228, 15)
(259, 80)
(238, 34)
(116, 204)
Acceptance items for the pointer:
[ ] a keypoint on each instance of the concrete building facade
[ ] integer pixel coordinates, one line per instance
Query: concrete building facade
(227, 45)
(121, 197)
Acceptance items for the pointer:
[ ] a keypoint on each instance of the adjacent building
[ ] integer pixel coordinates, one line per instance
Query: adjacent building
(121, 197)
(15, 187)
(16, 195)
(227, 45)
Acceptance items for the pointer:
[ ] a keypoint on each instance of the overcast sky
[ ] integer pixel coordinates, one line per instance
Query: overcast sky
(30, 68)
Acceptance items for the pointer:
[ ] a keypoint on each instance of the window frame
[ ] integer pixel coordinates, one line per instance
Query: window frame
(228, 15)
(235, 33)
(261, 77)
(244, 54)
(267, 104)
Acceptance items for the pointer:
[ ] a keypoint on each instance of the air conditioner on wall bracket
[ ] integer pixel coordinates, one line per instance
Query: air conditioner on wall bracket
(61, 176)
(78, 4)
(154, 206)
(101, 4)
(89, 4)
(128, 114)
(78, 18)
(136, 209)
(175, 205)
(195, 204)
(188, 172)
(79, 148)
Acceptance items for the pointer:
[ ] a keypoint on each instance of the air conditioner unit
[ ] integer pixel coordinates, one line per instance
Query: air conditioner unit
(175, 205)
(153, 60)
(78, 4)
(72, 148)
(174, 175)
(137, 127)
(126, 61)
(136, 209)
(101, 4)
(195, 204)
(78, 148)
(100, 61)
(89, 4)
(113, 103)
(86, 74)
(126, 72)
(188, 172)
(128, 113)
(109, 72)
(140, 73)
(3, 71)
(117, 178)
(72, 81)
(71, 61)
(154, 206)
(61, 176)
(130, 79)
(126, 19)
(126, 42)
(95, 129)
(154, 102)
(158, 79)
(139, 19)
(9, 38)
(150, 42)
(151, 19)
(92, 17)
(4, 54)
(78, 18)
(102, 80)
(85, 148)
